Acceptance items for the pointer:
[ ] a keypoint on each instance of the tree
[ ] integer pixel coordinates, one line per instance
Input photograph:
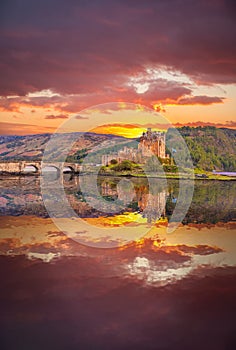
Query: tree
(113, 161)
(124, 165)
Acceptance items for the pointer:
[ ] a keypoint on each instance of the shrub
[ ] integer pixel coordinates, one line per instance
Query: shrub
(114, 161)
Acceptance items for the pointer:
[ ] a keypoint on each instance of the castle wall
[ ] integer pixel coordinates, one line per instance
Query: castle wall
(151, 143)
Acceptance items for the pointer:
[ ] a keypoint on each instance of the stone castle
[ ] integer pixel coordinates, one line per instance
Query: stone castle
(151, 143)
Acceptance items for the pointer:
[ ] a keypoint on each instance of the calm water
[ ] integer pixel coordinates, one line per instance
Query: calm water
(157, 291)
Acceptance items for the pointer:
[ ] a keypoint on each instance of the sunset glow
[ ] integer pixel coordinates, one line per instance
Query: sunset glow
(129, 131)
(189, 78)
(118, 174)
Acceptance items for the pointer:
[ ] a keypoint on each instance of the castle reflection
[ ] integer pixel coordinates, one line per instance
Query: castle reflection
(150, 205)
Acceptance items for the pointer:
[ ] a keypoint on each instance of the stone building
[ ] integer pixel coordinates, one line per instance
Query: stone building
(151, 143)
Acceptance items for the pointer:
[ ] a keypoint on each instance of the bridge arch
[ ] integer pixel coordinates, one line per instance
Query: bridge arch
(68, 169)
(50, 169)
(30, 168)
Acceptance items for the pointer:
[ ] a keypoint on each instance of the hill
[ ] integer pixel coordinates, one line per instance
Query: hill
(31, 147)
(210, 147)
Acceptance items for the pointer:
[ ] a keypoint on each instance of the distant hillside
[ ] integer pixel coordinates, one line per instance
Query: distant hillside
(210, 147)
(28, 147)
(31, 147)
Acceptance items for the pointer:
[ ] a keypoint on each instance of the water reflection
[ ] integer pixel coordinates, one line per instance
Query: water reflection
(157, 259)
(138, 196)
(213, 201)
(57, 293)
(206, 238)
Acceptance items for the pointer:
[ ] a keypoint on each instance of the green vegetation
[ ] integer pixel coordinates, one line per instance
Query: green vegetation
(170, 168)
(212, 202)
(78, 156)
(210, 147)
(114, 161)
(125, 167)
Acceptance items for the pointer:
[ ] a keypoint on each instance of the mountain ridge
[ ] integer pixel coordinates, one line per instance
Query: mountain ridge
(210, 147)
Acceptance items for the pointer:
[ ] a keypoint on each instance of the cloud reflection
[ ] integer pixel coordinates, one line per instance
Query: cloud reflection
(155, 260)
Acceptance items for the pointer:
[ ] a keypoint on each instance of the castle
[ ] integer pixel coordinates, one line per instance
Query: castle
(151, 143)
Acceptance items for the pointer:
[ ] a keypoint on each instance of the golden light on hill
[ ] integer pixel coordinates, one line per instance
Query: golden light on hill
(126, 130)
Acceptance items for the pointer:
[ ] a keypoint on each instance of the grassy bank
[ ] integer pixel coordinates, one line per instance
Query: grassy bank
(128, 168)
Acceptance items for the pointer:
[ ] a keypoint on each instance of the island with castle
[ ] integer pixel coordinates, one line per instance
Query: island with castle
(152, 143)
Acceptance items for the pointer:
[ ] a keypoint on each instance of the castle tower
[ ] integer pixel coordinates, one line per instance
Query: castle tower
(152, 143)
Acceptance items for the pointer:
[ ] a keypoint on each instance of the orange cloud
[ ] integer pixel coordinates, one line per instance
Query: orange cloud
(24, 129)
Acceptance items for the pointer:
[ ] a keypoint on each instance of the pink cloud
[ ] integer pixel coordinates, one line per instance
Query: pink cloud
(96, 47)
(199, 100)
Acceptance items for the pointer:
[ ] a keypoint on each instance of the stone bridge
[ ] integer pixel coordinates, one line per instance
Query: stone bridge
(37, 167)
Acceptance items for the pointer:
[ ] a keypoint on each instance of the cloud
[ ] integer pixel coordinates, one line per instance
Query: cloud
(13, 104)
(59, 116)
(89, 47)
(23, 129)
(199, 100)
(228, 124)
(231, 123)
(160, 93)
(79, 117)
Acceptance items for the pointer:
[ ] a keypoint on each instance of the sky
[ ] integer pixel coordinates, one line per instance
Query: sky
(58, 58)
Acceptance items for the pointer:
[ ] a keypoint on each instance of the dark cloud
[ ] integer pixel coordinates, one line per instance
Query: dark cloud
(87, 47)
(59, 116)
